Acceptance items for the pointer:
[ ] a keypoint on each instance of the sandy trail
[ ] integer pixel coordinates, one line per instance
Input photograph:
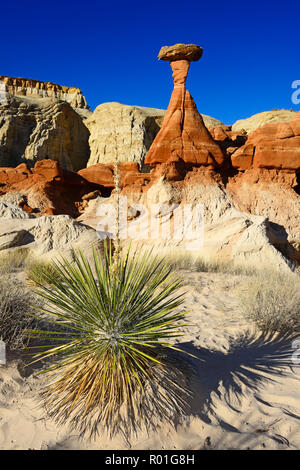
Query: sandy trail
(246, 392)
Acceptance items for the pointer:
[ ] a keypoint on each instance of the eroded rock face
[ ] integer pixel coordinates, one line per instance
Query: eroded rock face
(48, 237)
(229, 234)
(126, 132)
(252, 123)
(122, 131)
(271, 194)
(12, 211)
(103, 174)
(272, 146)
(183, 135)
(228, 140)
(45, 189)
(248, 183)
(35, 129)
(190, 52)
(37, 89)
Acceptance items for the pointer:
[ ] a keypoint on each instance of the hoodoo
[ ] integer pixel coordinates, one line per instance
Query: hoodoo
(183, 136)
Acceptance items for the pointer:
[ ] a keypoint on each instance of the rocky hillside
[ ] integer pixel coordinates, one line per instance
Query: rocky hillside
(55, 160)
(37, 89)
(35, 129)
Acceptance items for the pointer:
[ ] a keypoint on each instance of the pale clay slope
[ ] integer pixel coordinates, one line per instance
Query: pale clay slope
(237, 391)
(229, 234)
(257, 120)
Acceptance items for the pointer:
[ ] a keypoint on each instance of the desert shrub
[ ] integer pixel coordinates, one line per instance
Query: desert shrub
(40, 272)
(272, 301)
(11, 261)
(114, 363)
(15, 307)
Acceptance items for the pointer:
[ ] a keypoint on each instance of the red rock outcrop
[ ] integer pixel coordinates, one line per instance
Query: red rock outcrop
(228, 140)
(47, 189)
(272, 146)
(183, 136)
(98, 174)
(103, 174)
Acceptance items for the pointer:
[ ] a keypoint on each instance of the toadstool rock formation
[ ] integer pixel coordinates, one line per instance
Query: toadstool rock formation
(183, 136)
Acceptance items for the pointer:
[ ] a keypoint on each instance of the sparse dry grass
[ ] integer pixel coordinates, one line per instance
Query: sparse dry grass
(190, 261)
(40, 273)
(272, 301)
(269, 298)
(19, 260)
(15, 307)
(12, 261)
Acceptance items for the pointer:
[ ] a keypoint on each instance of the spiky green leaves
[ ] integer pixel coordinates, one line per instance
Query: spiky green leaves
(110, 337)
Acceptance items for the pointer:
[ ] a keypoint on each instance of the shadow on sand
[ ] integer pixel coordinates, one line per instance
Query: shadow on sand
(252, 360)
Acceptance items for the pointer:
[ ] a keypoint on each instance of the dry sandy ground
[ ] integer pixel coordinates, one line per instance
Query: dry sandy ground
(246, 387)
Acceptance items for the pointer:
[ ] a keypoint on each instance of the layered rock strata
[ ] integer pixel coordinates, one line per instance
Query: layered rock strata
(38, 89)
(183, 136)
(35, 129)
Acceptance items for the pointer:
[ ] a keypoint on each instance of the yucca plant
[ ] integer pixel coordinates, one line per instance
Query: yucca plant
(112, 319)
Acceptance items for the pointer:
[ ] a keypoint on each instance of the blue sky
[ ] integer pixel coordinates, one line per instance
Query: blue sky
(109, 50)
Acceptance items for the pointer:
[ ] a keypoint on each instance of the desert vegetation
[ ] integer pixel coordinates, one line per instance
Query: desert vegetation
(272, 301)
(267, 297)
(13, 261)
(113, 320)
(40, 272)
(15, 307)
(187, 260)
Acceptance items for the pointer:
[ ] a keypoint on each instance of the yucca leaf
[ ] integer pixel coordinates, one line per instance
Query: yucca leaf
(108, 331)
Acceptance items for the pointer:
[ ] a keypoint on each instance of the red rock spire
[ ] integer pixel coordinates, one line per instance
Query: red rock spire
(183, 136)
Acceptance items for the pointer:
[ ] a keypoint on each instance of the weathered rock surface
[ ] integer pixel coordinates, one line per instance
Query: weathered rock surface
(190, 52)
(103, 174)
(35, 129)
(183, 134)
(251, 123)
(11, 238)
(274, 146)
(51, 236)
(38, 89)
(126, 131)
(12, 211)
(228, 140)
(269, 193)
(248, 184)
(210, 122)
(45, 189)
(122, 131)
(229, 234)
